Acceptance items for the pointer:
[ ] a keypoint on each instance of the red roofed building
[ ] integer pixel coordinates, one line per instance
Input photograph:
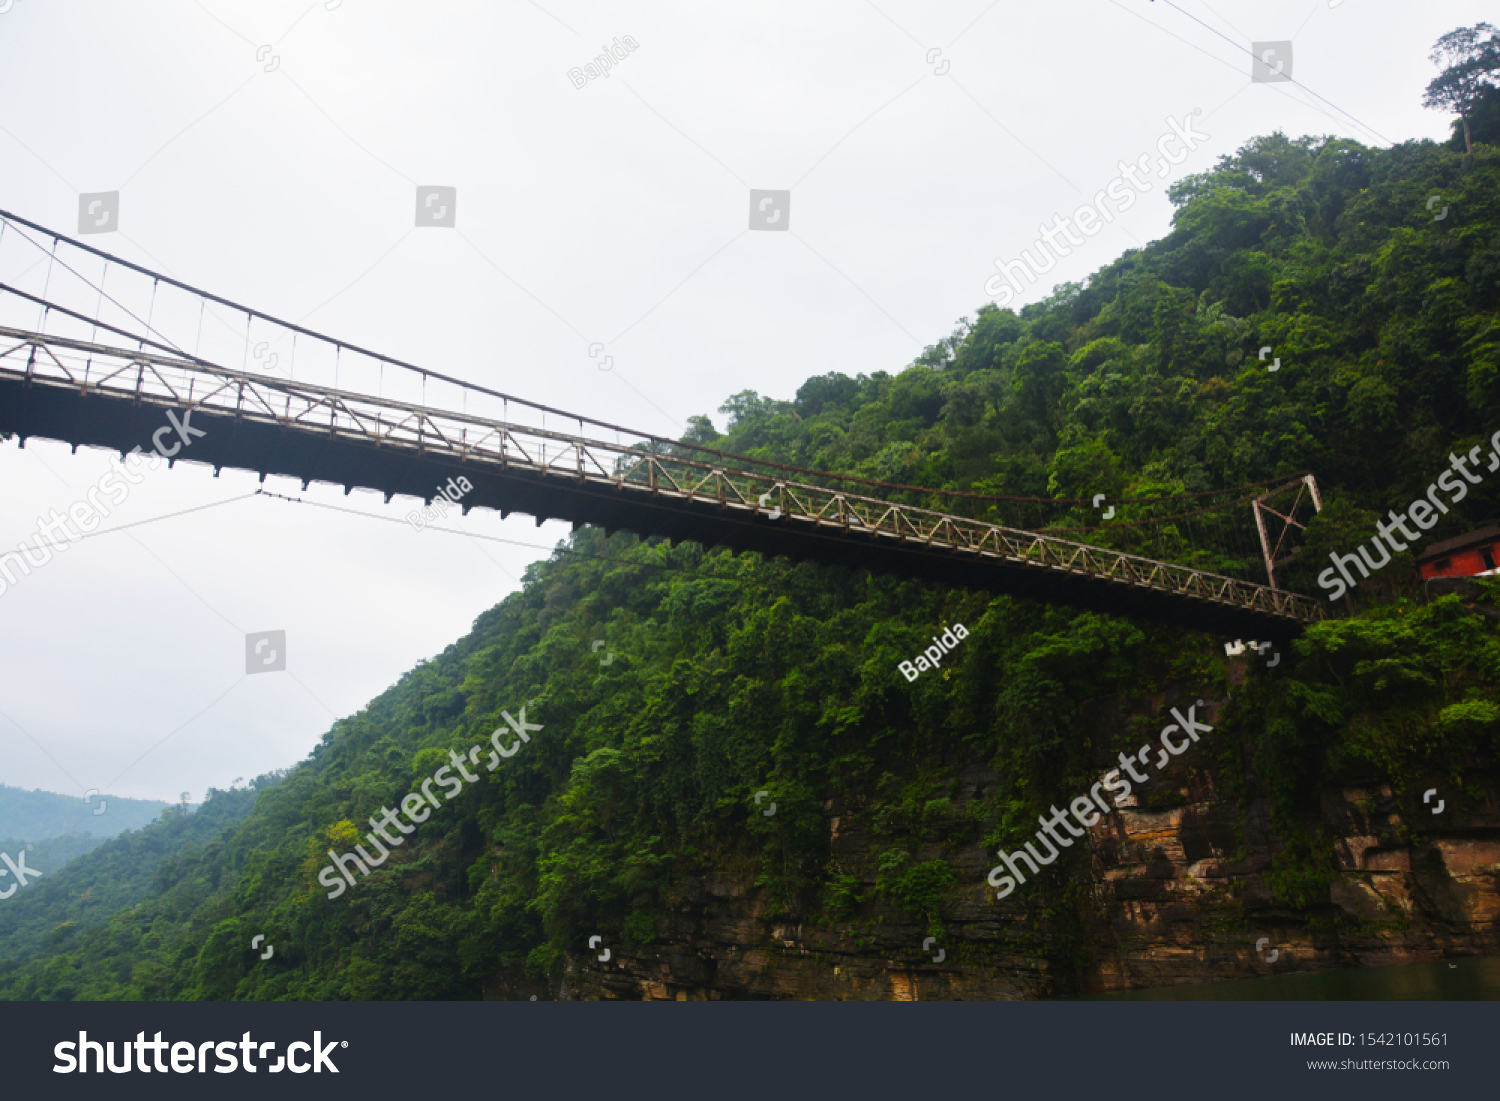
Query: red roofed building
(1464, 556)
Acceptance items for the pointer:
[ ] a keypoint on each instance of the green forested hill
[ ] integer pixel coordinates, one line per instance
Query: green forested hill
(49, 855)
(1383, 318)
(730, 675)
(86, 879)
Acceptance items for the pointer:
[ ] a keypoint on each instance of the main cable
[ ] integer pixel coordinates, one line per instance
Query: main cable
(1289, 78)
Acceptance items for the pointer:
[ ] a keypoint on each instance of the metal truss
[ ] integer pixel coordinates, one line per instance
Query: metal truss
(645, 469)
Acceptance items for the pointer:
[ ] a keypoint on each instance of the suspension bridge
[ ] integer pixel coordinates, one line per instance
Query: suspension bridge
(94, 351)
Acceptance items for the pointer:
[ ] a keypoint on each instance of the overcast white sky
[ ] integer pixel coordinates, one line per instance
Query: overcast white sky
(615, 213)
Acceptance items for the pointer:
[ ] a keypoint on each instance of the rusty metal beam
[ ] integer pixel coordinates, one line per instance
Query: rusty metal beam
(569, 471)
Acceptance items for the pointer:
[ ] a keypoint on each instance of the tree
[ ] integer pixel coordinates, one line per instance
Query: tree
(701, 430)
(746, 405)
(1469, 58)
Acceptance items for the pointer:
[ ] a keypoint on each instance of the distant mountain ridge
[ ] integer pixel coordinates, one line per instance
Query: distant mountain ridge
(37, 815)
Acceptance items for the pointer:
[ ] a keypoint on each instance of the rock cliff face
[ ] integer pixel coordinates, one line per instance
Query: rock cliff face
(1176, 888)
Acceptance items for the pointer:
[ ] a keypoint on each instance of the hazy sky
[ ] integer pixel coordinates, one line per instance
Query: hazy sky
(271, 151)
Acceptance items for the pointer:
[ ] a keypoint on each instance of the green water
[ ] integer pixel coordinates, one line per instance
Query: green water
(1470, 979)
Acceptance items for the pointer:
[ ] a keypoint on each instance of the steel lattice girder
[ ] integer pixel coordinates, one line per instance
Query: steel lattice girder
(42, 360)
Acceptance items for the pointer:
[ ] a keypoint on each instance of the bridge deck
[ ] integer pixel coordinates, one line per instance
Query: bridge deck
(97, 395)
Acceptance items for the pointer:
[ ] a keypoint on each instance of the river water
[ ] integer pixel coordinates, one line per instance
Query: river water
(1468, 979)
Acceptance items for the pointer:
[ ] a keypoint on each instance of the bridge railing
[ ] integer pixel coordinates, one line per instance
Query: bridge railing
(646, 468)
